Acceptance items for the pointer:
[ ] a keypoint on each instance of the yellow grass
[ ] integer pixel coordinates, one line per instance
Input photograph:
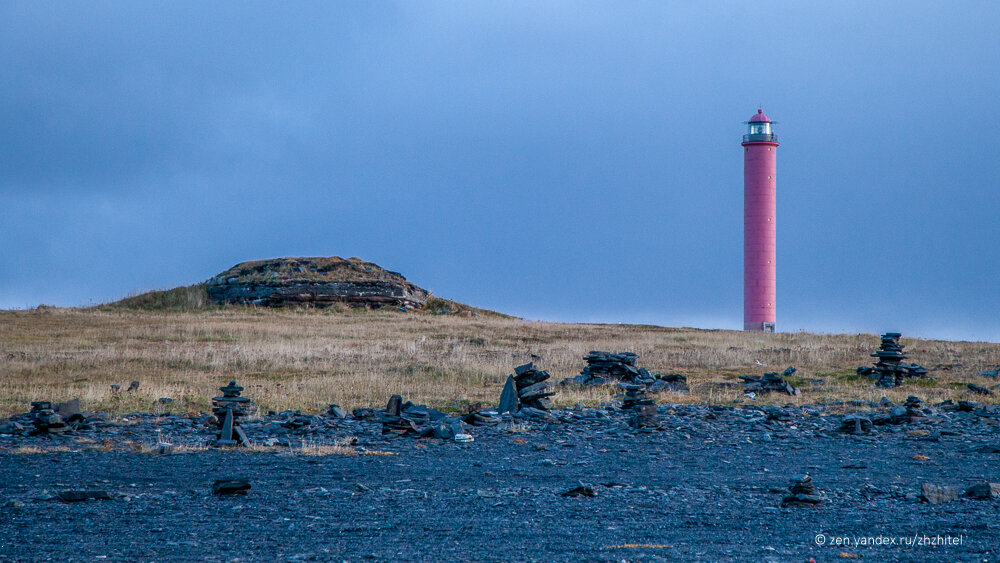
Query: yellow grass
(307, 359)
(32, 450)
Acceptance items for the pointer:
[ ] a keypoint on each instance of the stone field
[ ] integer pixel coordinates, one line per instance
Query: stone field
(703, 483)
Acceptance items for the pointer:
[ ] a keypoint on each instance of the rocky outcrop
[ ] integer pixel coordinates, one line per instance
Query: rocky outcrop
(314, 281)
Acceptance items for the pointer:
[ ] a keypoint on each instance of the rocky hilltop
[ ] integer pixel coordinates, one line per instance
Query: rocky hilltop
(315, 281)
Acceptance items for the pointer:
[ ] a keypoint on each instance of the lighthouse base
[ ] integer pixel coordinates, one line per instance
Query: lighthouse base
(758, 327)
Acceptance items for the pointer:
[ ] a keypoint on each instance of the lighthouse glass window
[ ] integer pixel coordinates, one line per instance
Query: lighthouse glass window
(760, 128)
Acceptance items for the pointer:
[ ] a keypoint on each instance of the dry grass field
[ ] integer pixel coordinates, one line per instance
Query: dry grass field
(307, 359)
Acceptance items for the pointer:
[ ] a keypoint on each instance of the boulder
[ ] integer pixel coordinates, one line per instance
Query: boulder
(936, 494)
(983, 491)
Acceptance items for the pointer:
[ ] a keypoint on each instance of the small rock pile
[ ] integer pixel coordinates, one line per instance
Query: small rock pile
(890, 370)
(910, 409)
(802, 492)
(420, 421)
(483, 417)
(770, 382)
(49, 418)
(606, 367)
(228, 410)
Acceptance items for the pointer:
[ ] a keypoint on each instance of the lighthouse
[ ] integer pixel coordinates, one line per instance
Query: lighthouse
(760, 150)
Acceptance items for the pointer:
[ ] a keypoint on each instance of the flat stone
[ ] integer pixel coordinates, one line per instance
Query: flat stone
(508, 397)
(68, 409)
(395, 406)
(801, 499)
(236, 486)
(77, 496)
(523, 369)
(979, 390)
(581, 490)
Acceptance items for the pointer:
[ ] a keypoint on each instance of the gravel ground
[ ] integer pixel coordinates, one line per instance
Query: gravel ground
(707, 486)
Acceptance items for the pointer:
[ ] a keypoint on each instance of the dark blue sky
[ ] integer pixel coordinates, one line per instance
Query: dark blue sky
(562, 161)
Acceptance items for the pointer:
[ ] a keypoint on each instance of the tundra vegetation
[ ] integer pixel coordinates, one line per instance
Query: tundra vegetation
(448, 356)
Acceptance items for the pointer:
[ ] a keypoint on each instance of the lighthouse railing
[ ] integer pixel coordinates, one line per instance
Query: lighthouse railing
(760, 137)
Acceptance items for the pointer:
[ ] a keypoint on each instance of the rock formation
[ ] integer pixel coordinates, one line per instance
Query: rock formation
(314, 281)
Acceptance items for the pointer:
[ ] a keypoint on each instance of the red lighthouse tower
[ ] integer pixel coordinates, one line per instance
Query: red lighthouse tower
(760, 149)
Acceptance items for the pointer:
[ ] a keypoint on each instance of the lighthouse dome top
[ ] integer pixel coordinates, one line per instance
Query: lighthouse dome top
(759, 116)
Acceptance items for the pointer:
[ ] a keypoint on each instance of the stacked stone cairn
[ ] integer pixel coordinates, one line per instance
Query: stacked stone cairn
(770, 382)
(229, 409)
(643, 408)
(58, 418)
(45, 419)
(802, 492)
(607, 367)
(635, 396)
(890, 370)
(532, 386)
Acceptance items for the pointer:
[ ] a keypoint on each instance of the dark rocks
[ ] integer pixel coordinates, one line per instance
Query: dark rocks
(967, 406)
(508, 397)
(645, 416)
(11, 427)
(395, 406)
(803, 492)
(534, 414)
(605, 367)
(581, 490)
(777, 414)
(532, 387)
(635, 396)
(336, 412)
(983, 491)
(229, 409)
(671, 382)
(77, 496)
(770, 382)
(232, 486)
(417, 420)
(979, 390)
(68, 409)
(45, 419)
(935, 494)
(298, 421)
(483, 417)
(855, 424)
(903, 414)
(890, 370)
(995, 372)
